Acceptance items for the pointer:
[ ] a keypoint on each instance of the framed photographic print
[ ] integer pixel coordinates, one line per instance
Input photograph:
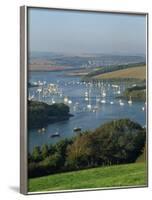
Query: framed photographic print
(83, 100)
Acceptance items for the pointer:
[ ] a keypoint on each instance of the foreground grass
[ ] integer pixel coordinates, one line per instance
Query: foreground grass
(131, 73)
(113, 176)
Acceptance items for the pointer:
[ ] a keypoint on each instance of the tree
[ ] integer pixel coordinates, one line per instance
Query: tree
(78, 152)
(44, 151)
(119, 141)
(36, 154)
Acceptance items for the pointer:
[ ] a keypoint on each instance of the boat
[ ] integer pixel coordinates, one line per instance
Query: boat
(86, 93)
(121, 103)
(77, 129)
(39, 90)
(115, 86)
(143, 108)
(103, 101)
(104, 94)
(53, 101)
(43, 129)
(118, 92)
(86, 98)
(66, 100)
(97, 99)
(130, 101)
(31, 97)
(56, 134)
(69, 102)
(111, 102)
(89, 106)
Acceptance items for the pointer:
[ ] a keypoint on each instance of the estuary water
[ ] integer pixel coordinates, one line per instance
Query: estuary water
(92, 104)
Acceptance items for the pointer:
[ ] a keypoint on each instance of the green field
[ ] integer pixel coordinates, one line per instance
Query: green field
(113, 176)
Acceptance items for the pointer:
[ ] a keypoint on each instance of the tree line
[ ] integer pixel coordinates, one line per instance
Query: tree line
(116, 142)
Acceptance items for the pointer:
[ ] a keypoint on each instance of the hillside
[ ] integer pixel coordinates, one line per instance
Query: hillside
(40, 114)
(137, 93)
(113, 176)
(110, 68)
(129, 73)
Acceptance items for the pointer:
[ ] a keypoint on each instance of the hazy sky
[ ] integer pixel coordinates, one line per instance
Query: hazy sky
(83, 32)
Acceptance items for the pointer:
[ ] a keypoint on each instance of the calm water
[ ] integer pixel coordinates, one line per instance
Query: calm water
(101, 96)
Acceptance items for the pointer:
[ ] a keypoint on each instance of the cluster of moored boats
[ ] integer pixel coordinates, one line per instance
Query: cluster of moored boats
(53, 93)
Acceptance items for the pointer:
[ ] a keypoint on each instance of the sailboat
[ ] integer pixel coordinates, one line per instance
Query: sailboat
(70, 102)
(143, 108)
(66, 100)
(53, 101)
(119, 92)
(103, 93)
(103, 101)
(121, 103)
(89, 106)
(130, 101)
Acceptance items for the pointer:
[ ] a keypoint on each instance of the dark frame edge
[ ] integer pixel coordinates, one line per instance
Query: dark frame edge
(23, 102)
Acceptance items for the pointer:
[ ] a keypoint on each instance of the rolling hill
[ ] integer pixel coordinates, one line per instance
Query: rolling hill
(113, 176)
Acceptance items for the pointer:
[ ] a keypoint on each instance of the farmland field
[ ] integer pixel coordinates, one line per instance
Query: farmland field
(131, 73)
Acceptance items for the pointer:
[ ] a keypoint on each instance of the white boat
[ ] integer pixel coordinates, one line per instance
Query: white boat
(39, 90)
(143, 108)
(89, 106)
(115, 86)
(121, 103)
(86, 93)
(104, 94)
(130, 101)
(53, 101)
(69, 102)
(86, 98)
(66, 100)
(118, 92)
(103, 101)
(35, 83)
(111, 102)
(43, 129)
(31, 97)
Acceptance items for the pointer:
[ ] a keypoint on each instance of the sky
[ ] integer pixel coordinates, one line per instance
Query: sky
(85, 32)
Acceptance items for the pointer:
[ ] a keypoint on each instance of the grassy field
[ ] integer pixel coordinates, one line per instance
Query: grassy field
(113, 176)
(131, 73)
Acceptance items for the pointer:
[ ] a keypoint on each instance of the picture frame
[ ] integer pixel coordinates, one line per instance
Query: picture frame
(88, 61)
